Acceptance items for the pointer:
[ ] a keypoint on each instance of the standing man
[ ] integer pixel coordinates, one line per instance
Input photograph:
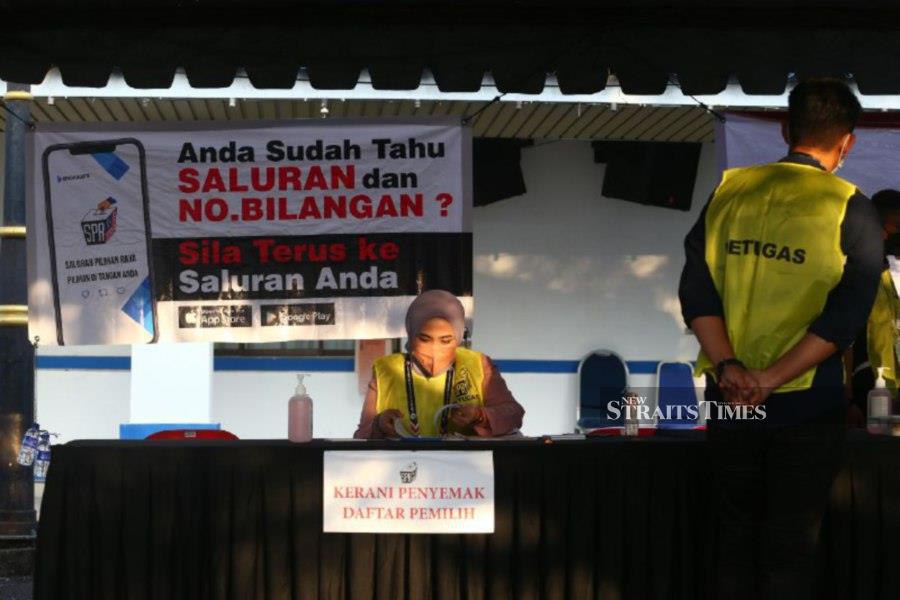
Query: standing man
(780, 275)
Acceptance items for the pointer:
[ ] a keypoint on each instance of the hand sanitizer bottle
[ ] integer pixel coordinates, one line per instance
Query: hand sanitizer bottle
(879, 401)
(300, 414)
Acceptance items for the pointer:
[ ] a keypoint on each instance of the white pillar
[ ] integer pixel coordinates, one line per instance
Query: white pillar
(171, 383)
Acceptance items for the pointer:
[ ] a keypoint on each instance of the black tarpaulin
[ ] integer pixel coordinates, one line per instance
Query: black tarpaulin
(645, 43)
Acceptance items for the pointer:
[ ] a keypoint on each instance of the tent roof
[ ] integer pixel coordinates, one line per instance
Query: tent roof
(644, 43)
(538, 120)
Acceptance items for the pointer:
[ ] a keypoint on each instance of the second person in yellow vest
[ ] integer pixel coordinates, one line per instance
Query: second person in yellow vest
(875, 348)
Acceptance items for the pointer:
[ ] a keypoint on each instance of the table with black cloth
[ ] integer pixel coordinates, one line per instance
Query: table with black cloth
(600, 518)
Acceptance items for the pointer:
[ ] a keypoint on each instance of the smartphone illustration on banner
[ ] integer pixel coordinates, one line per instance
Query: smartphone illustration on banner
(98, 224)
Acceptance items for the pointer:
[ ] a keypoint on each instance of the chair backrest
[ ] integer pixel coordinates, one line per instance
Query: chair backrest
(602, 378)
(676, 395)
(192, 434)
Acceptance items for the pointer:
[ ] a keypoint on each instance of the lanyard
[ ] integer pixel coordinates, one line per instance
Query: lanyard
(411, 396)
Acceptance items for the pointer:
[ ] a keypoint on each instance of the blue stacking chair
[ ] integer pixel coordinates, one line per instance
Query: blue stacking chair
(675, 388)
(602, 378)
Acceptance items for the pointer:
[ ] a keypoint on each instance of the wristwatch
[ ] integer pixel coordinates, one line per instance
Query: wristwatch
(727, 363)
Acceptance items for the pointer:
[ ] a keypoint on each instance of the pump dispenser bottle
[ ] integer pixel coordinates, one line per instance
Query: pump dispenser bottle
(300, 414)
(879, 401)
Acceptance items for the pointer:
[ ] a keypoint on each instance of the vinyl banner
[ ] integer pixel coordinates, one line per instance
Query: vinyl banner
(249, 232)
(408, 492)
(745, 140)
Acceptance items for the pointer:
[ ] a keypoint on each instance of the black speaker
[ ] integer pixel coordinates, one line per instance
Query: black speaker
(496, 169)
(653, 173)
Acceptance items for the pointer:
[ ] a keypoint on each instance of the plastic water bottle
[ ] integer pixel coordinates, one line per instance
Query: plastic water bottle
(879, 401)
(28, 450)
(632, 420)
(42, 462)
(300, 414)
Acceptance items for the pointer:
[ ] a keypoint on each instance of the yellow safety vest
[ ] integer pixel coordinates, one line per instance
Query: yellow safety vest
(468, 379)
(773, 236)
(881, 330)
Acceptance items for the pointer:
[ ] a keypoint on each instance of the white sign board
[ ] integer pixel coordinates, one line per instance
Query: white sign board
(408, 492)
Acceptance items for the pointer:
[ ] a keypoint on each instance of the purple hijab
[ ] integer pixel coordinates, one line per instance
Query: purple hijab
(436, 303)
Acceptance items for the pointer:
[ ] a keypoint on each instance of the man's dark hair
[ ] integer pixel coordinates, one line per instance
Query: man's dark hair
(886, 202)
(820, 111)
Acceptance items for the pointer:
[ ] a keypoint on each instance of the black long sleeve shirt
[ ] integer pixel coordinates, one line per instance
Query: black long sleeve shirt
(848, 304)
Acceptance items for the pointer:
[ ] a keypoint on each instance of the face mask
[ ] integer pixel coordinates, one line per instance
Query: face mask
(434, 360)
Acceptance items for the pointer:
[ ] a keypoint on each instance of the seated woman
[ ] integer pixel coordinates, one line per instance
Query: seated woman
(436, 372)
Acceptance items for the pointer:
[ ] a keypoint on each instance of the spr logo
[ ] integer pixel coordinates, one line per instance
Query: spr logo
(462, 389)
(99, 224)
(409, 472)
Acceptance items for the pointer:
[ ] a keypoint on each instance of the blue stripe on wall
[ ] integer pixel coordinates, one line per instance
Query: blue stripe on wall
(537, 366)
(635, 367)
(642, 367)
(282, 363)
(318, 365)
(89, 363)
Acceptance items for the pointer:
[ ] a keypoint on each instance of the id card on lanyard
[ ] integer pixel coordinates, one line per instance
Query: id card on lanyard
(411, 396)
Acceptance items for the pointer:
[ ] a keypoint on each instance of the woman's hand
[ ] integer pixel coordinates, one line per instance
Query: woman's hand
(385, 421)
(466, 415)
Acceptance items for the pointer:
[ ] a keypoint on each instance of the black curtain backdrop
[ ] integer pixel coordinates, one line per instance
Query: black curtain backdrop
(611, 519)
(497, 169)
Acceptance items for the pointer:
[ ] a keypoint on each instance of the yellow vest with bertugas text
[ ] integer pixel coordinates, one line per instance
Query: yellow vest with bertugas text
(468, 380)
(773, 246)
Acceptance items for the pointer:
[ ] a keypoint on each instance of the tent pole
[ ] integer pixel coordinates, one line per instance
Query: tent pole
(17, 515)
